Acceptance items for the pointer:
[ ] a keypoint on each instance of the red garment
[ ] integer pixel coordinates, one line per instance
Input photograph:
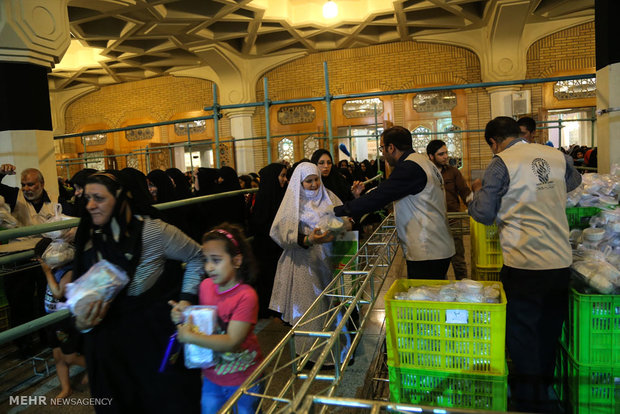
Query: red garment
(237, 304)
(586, 158)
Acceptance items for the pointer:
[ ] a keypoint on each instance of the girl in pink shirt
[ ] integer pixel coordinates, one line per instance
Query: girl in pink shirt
(228, 261)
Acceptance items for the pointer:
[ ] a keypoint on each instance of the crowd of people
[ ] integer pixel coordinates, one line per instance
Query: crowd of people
(522, 185)
(167, 253)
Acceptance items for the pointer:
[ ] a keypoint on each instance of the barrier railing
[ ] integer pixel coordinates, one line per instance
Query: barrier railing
(317, 403)
(355, 287)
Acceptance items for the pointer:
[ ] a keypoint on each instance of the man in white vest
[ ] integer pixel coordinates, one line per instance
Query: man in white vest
(524, 189)
(416, 188)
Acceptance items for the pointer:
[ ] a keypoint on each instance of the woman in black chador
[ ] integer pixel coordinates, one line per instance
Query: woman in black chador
(270, 193)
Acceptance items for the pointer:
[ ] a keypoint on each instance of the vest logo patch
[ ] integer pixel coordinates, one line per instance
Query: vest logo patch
(542, 169)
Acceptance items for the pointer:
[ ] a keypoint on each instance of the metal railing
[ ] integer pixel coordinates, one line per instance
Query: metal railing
(355, 287)
(317, 403)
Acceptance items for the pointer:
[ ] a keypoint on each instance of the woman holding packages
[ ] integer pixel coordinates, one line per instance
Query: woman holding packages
(125, 339)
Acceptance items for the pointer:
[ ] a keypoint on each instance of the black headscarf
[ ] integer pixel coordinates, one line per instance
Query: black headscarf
(125, 252)
(334, 182)
(207, 181)
(268, 198)
(182, 186)
(80, 177)
(75, 206)
(135, 181)
(165, 188)
(230, 180)
(231, 209)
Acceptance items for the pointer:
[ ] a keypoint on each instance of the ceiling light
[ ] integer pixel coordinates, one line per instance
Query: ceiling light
(330, 10)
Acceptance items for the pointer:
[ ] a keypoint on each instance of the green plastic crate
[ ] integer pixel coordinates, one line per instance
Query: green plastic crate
(579, 217)
(485, 247)
(445, 336)
(589, 389)
(486, 273)
(447, 389)
(593, 328)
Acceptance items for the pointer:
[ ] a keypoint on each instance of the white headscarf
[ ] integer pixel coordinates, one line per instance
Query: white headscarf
(301, 206)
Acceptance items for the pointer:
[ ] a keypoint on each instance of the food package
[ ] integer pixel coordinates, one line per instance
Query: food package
(102, 281)
(58, 253)
(57, 217)
(466, 290)
(596, 190)
(332, 224)
(600, 275)
(205, 322)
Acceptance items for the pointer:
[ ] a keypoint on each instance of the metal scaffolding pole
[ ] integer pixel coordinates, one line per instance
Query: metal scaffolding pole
(216, 130)
(328, 104)
(267, 121)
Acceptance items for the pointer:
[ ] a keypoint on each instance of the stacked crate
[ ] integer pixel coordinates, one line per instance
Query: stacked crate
(446, 354)
(486, 252)
(588, 368)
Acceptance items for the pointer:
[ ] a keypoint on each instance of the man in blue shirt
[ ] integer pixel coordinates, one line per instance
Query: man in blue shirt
(524, 189)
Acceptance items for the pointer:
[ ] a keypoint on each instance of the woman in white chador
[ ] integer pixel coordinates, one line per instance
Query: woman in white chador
(304, 269)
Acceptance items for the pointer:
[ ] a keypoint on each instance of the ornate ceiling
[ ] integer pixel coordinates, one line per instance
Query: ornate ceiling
(124, 40)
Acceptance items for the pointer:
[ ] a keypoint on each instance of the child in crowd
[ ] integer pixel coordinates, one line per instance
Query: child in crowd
(62, 336)
(229, 267)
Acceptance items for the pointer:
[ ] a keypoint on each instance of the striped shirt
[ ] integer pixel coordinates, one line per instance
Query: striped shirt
(161, 241)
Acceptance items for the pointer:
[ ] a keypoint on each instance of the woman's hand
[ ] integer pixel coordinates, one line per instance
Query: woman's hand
(318, 237)
(357, 188)
(93, 316)
(176, 314)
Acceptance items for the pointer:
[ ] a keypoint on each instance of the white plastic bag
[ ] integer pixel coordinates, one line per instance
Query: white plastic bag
(58, 253)
(332, 224)
(7, 221)
(205, 320)
(600, 275)
(102, 281)
(58, 216)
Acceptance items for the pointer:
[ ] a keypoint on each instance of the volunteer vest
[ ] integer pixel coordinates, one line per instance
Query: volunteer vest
(533, 228)
(421, 221)
(26, 215)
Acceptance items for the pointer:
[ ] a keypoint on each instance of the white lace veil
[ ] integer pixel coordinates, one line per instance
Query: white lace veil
(299, 205)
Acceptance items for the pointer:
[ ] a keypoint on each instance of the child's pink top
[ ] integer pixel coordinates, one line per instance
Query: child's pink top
(237, 304)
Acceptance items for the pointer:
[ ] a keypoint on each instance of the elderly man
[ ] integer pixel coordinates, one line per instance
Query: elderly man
(524, 188)
(25, 289)
(416, 187)
(31, 205)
